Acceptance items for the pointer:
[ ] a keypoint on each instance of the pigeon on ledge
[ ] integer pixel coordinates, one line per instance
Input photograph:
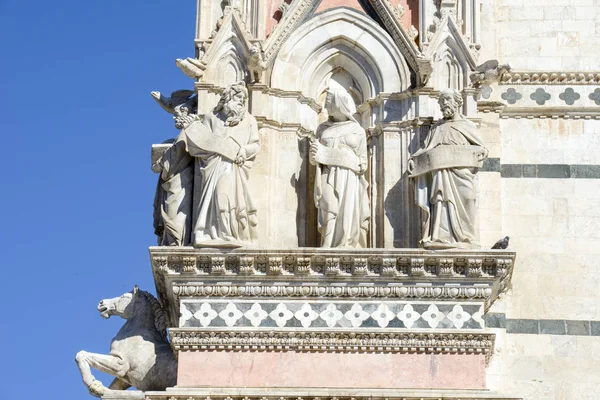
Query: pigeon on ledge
(501, 244)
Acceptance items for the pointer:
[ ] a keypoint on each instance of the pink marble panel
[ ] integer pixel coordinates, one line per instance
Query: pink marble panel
(330, 370)
(410, 17)
(327, 4)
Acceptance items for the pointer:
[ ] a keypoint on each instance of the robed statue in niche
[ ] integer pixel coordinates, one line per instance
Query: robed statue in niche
(340, 156)
(222, 145)
(444, 171)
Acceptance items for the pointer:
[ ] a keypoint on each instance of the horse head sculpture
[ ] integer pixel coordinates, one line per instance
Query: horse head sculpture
(123, 306)
(140, 355)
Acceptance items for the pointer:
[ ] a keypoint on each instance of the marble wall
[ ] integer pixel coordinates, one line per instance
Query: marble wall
(543, 35)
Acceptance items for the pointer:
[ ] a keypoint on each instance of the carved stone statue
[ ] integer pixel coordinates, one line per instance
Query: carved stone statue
(340, 156)
(256, 64)
(140, 355)
(445, 176)
(173, 200)
(203, 196)
(487, 73)
(224, 145)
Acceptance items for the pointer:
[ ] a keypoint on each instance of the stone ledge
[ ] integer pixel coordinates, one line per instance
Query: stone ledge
(193, 339)
(457, 275)
(321, 394)
(551, 78)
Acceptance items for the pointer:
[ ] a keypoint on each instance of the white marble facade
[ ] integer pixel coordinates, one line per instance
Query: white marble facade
(539, 121)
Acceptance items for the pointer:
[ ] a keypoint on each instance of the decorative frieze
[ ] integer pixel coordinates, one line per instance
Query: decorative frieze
(576, 100)
(361, 315)
(332, 263)
(450, 292)
(551, 78)
(189, 339)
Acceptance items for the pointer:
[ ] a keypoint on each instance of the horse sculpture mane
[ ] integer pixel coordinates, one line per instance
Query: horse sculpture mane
(160, 319)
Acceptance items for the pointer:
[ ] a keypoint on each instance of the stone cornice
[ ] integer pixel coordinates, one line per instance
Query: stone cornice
(551, 112)
(551, 78)
(332, 263)
(193, 339)
(287, 94)
(334, 273)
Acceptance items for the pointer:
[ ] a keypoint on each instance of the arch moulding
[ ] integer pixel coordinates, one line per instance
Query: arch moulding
(340, 39)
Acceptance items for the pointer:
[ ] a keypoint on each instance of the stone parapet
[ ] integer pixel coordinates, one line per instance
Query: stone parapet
(444, 277)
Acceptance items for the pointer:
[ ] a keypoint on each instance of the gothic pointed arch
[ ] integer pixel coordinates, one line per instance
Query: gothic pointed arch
(340, 39)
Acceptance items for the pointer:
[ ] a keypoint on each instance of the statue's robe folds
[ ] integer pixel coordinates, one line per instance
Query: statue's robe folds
(173, 200)
(447, 196)
(225, 213)
(340, 193)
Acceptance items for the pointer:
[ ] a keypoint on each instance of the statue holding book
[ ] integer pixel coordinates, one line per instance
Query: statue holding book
(340, 156)
(223, 144)
(444, 171)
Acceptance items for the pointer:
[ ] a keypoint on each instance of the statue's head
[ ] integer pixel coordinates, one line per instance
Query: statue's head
(450, 102)
(122, 306)
(339, 105)
(183, 115)
(254, 49)
(233, 103)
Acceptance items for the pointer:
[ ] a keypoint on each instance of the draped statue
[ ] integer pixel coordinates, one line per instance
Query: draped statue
(340, 156)
(225, 145)
(173, 200)
(209, 204)
(445, 170)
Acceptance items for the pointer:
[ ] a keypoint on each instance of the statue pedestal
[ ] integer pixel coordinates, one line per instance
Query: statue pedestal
(337, 319)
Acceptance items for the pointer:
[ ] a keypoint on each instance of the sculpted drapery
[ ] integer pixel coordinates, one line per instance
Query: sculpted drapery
(225, 212)
(340, 187)
(203, 190)
(447, 195)
(173, 199)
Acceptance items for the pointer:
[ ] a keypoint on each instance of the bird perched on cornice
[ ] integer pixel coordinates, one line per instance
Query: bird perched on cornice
(487, 73)
(177, 98)
(501, 244)
(256, 63)
(192, 67)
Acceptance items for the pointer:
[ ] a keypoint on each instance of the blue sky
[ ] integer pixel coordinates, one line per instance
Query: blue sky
(77, 125)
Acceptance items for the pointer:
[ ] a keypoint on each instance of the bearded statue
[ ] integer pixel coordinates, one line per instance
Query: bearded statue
(444, 171)
(224, 145)
(212, 158)
(173, 199)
